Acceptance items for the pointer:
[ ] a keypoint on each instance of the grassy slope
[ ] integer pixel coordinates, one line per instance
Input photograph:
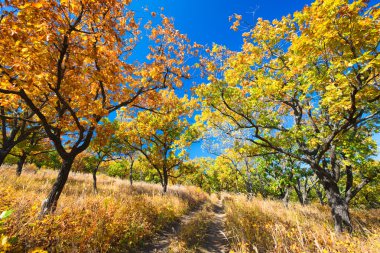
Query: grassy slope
(120, 217)
(267, 226)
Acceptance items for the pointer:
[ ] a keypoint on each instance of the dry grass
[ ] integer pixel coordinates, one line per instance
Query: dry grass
(118, 218)
(267, 226)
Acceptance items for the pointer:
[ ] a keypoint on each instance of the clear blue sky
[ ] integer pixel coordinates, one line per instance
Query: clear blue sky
(206, 22)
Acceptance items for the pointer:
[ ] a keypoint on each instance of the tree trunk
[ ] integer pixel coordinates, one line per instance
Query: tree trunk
(249, 186)
(305, 199)
(130, 177)
(50, 204)
(302, 195)
(341, 216)
(285, 199)
(299, 194)
(131, 173)
(165, 181)
(249, 190)
(339, 207)
(320, 196)
(94, 179)
(20, 164)
(3, 155)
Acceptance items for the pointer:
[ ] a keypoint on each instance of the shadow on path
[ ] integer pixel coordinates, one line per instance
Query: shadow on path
(161, 241)
(215, 239)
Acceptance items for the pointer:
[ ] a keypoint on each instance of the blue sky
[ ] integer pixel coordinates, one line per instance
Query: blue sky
(206, 22)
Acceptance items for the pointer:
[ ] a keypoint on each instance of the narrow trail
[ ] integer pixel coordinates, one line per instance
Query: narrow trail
(214, 240)
(161, 242)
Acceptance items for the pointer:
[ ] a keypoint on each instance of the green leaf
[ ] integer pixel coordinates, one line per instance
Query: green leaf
(5, 214)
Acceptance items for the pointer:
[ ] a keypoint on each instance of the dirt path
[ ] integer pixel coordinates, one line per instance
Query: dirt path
(161, 242)
(214, 240)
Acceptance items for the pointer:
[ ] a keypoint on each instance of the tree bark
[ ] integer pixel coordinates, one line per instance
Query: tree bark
(302, 193)
(20, 164)
(3, 155)
(299, 195)
(50, 204)
(165, 181)
(339, 207)
(94, 171)
(131, 173)
(341, 215)
(320, 196)
(248, 185)
(285, 199)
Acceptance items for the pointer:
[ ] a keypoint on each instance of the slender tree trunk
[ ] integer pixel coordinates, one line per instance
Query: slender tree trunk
(94, 171)
(302, 195)
(320, 196)
(20, 164)
(285, 199)
(50, 204)
(249, 189)
(299, 195)
(249, 186)
(305, 197)
(131, 173)
(165, 181)
(130, 177)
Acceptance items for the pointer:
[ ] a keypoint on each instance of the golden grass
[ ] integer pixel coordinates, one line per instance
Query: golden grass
(117, 219)
(267, 226)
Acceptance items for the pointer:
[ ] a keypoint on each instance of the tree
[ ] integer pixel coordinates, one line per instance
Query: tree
(240, 165)
(17, 124)
(36, 144)
(305, 85)
(196, 173)
(162, 137)
(67, 61)
(102, 147)
(106, 147)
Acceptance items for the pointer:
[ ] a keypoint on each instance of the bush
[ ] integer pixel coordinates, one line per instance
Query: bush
(117, 169)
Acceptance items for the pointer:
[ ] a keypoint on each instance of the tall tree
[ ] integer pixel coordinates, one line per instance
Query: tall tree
(163, 136)
(304, 83)
(103, 147)
(67, 61)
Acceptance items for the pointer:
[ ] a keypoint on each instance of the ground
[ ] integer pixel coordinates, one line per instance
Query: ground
(139, 218)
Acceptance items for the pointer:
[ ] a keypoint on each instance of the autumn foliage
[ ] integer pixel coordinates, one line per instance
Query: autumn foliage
(91, 86)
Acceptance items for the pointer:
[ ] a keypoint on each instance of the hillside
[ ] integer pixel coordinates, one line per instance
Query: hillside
(139, 218)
